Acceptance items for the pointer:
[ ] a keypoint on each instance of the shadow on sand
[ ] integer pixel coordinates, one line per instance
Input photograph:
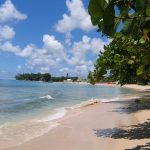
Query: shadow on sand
(132, 106)
(139, 131)
(141, 147)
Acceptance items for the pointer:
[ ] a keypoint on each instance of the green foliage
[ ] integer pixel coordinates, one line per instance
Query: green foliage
(127, 60)
(91, 78)
(34, 77)
(46, 77)
(134, 15)
(128, 55)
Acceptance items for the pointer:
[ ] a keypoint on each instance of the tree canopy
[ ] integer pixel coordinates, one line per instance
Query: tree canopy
(46, 77)
(127, 57)
(126, 61)
(131, 17)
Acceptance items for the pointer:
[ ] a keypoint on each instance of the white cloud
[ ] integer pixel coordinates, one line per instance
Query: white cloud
(65, 70)
(85, 39)
(78, 18)
(8, 47)
(81, 48)
(51, 56)
(68, 39)
(79, 60)
(26, 52)
(97, 45)
(82, 69)
(6, 33)
(8, 12)
(51, 45)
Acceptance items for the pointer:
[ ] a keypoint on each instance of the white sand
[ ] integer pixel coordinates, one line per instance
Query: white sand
(76, 130)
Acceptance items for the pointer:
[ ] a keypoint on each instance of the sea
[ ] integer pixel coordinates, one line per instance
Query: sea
(29, 109)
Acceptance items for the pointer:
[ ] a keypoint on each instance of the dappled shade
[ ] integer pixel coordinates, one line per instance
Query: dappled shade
(134, 105)
(141, 147)
(139, 131)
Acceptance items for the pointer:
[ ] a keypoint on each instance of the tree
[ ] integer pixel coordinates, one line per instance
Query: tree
(91, 78)
(46, 77)
(126, 59)
(128, 23)
(131, 16)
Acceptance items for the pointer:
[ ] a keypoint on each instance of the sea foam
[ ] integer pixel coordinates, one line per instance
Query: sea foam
(59, 113)
(47, 97)
(121, 98)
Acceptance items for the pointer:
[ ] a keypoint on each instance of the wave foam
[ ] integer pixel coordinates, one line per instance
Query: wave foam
(58, 114)
(115, 99)
(86, 103)
(108, 100)
(47, 97)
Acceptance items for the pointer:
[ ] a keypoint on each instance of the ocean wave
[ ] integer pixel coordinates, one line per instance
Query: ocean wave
(121, 98)
(85, 103)
(14, 134)
(93, 101)
(46, 97)
(58, 113)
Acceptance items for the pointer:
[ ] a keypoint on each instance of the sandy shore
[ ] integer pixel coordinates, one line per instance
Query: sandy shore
(131, 86)
(84, 128)
(79, 130)
(138, 87)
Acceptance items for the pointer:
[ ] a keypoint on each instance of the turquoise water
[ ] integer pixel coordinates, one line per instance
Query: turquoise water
(22, 99)
(23, 105)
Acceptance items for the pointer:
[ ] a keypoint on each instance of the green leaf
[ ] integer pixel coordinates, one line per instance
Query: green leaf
(133, 57)
(127, 26)
(142, 40)
(130, 26)
(148, 10)
(140, 70)
(123, 8)
(118, 35)
(146, 59)
(130, 62)
(140, 5)
(108, 26)
(96, 9)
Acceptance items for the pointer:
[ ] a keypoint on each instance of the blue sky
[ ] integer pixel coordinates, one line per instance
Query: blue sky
(47, 36)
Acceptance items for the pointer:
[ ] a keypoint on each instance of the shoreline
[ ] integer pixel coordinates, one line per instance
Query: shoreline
(130, 86)
(87, 110)
(138, 87)
(77, 130)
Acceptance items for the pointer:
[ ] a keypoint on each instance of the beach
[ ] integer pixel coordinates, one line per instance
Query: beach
(103, 126)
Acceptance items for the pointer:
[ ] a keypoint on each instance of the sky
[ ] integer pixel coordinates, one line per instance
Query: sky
(54, 37)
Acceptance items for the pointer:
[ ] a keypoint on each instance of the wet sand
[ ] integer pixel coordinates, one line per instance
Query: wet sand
(138, 87)
(79, 130)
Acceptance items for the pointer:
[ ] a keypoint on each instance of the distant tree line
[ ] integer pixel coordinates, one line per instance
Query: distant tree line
(46, 77)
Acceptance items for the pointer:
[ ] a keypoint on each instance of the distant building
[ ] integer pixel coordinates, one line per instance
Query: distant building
(68, 80)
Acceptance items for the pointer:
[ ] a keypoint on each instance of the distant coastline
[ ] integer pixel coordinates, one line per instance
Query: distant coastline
(48, 78)
(45, 77)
